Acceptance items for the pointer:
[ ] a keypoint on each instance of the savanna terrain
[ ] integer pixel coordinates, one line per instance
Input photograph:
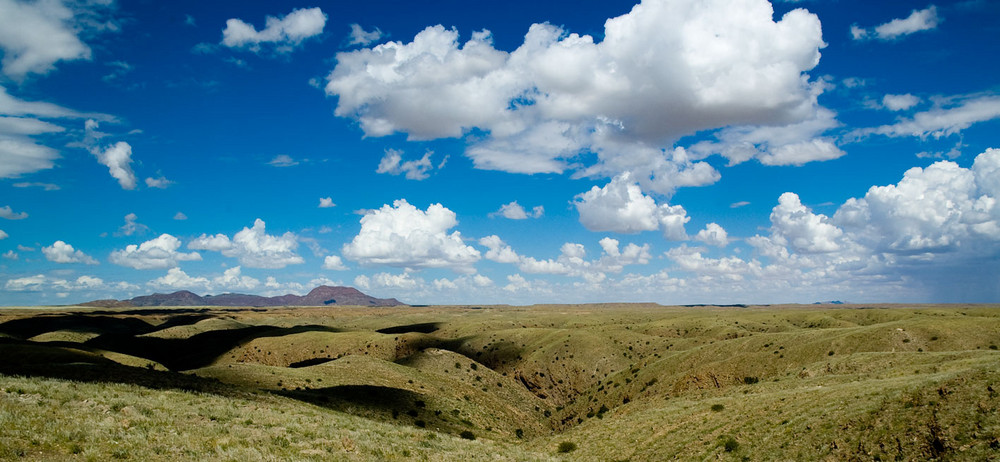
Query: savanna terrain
(556, 382)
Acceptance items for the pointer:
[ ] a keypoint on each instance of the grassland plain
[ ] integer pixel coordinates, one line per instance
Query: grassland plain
(556, 382)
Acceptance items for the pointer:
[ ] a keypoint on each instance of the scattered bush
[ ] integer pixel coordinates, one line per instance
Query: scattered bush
(729, 444)
(750, 380)
(519, 433)
(567, 446)
(466, 434)
(717, 407)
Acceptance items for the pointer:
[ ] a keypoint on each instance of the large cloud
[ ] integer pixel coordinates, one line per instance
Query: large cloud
(36, 35)
(158, 253)
(284, 33)
(20, 121)
(666, 69)
(935, 232)
(620, 206)
(943, 208)
(253, 247)
(404, 236)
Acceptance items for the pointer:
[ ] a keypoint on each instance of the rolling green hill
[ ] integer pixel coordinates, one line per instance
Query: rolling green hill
(575, 382)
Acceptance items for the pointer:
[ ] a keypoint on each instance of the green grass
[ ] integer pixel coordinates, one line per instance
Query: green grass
(580, 382)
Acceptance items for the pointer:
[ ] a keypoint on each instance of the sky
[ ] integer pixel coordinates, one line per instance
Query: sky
(446, 152)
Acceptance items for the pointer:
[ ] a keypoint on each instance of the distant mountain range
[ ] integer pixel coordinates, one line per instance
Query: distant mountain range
(320, 296)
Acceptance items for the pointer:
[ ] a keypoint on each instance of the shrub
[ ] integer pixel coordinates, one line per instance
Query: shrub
(519, 433)
(466, 434)
(717, 407)
(750, 380)
(567, 446)
(729, 444)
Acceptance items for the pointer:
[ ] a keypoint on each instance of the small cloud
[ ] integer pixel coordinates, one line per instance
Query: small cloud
(131, 226)
(10, 254)
(359, 36)
(118, 159)
(61, 252)
(24, 248)
(8, 213)
(204, 48)
(326, 202)
(917, 21)
(713, 234)
(180, 216)
(899, 102)
(334, 262)
(283, 160)
(3, 235)
(736, 205)
(189, 21)
(514, 211)
(45, 186)
(283, 33)
(159, 183)
(118, 70)
(325, 230)
(392, 163)
(237, 62)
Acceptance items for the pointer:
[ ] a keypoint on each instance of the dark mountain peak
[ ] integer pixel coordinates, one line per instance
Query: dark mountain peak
(320, 296)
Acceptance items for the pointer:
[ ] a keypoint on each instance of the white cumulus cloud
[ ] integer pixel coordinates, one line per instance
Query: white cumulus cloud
(388, 281)
(118, 159)
(177, 279)
(918, 20)
(392, 163)
(61, 252)
(899, 102)
(359, 36)
(334, 262)
(620, 206)
(283, 33)
(515, 211)
(326, 202)
(404, 236)
(9, 213)
(713, 234)
(158, 253)
(233, 279)
(253, 247)
(664, 70)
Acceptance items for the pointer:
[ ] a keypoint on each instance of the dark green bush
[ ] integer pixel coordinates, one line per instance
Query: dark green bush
(717, 407)
(467, 435)
(567, 446)
(729, 444)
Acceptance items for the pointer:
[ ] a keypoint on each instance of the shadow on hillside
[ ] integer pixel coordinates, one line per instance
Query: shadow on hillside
(370, 397)
(422, 328)
(64, 360)
(25, 328)
(199, 350)
(495, 355)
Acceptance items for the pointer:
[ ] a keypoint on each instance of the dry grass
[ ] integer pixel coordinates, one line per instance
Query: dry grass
(614, 382)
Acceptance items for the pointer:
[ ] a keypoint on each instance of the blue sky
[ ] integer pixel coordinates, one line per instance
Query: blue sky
(674, 151)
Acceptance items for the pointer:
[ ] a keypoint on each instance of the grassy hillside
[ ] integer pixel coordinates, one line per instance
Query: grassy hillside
(580, 382)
